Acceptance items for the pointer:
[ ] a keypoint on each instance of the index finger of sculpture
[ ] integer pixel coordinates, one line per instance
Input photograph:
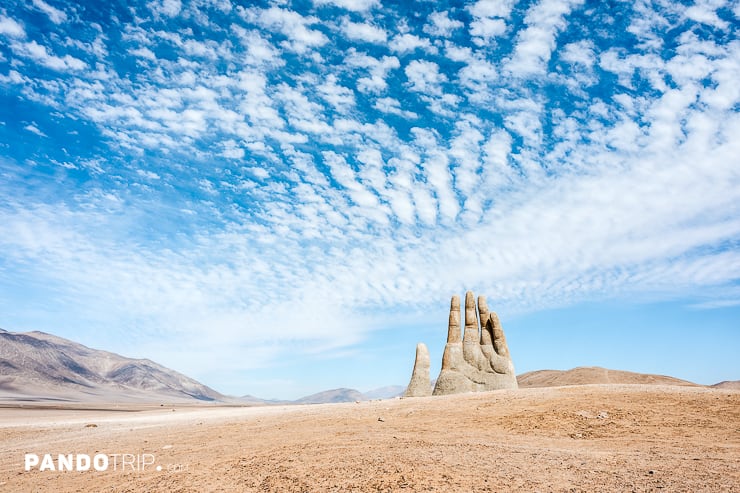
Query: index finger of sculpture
(485, 332)
(499, 340)
(453, 327)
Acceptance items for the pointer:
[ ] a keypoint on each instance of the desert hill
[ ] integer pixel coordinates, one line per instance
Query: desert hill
(385, 392)
(40, 366)
(593, 375)
(728, 384)
(335, 395)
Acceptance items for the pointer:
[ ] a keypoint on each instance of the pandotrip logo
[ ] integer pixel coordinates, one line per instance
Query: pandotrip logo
(118, 462)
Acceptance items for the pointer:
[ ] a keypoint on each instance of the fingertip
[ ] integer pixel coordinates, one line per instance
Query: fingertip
(469, 300)
(455, 303)
(482, 305)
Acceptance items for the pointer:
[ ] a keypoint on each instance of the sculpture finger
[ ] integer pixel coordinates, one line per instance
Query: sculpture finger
(420, 384)
(453, 328)
(486, 338)
(499, 340)
(471, 320)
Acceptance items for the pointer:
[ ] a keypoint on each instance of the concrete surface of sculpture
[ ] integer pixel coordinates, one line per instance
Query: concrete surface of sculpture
(420, 384)
(477, 363)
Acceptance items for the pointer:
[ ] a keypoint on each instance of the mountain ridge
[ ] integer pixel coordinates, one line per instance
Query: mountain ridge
(42, 366)
(340, 394)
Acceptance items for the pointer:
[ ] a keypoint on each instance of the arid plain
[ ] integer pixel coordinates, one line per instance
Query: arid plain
(607, 437)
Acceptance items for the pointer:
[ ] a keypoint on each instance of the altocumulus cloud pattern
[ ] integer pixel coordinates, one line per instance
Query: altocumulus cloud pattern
(308, 171)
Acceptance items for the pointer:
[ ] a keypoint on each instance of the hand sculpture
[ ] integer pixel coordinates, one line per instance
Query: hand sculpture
(480, 362)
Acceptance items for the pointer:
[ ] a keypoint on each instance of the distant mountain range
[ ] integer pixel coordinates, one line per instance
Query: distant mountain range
(351, 395)
(333, 396)
(35, 366)
(40, 366)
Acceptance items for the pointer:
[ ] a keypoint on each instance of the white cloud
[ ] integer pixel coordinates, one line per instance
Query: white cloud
(149, 175)
(170, 8)
(581, 52)
(378, 70)
(303, 114)
(406, 43)
(726, 72)
(353, 5)
(31, 127)
(259, 172)
(13, 77)
(393, 106)
(484, 29)
(340, 97)
(465, 149)
(9, 27)
(706, 13)
(440, 179)
(497, 172)
(478, 76)
(291, 24)
(650, 20)
(441, 25)
(259, 50)
(358, 188)
(144, 52)
(535, 44)
(364, 32)
(581, 58)
(55, 15)
(426, 206)
(492, 8)
(489, 19)
(41, 54)
(208, 49)
(232, 150)
(424, 77)
(257, 106)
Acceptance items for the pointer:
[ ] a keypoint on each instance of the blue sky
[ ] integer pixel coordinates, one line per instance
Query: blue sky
(280, 197)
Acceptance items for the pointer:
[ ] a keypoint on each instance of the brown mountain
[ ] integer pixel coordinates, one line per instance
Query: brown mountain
(592, 375)
(728, 384)
(40, 366)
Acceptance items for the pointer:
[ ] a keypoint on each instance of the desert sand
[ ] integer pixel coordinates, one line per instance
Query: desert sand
(576, 438)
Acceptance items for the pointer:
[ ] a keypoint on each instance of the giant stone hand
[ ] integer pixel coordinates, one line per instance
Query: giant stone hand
(479, 362)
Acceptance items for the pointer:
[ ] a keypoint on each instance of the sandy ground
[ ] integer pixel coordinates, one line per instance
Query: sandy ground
(582, 438)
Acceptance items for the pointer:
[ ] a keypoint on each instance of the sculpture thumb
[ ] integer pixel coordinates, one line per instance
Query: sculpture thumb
(420, 385)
